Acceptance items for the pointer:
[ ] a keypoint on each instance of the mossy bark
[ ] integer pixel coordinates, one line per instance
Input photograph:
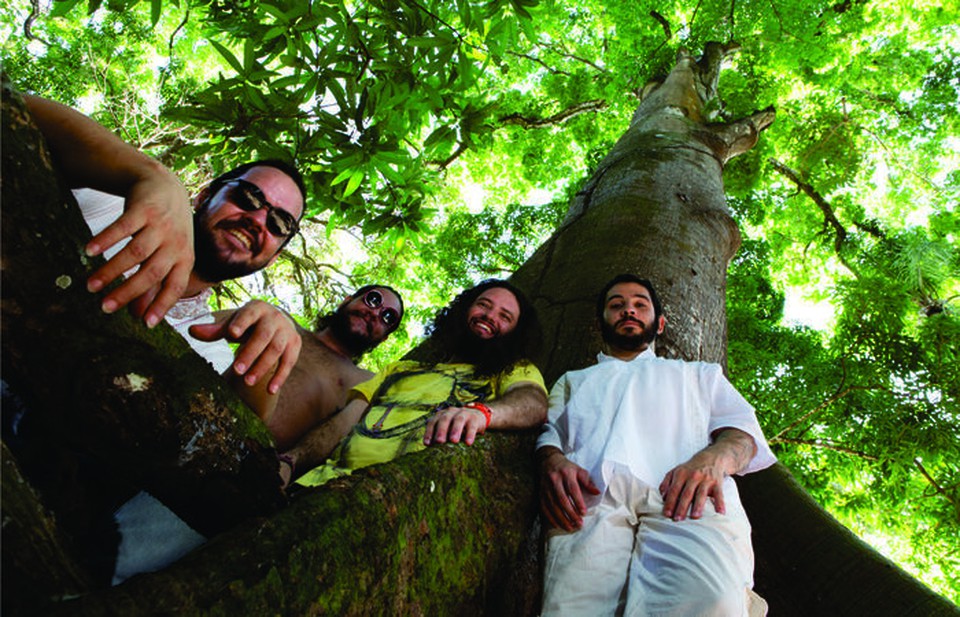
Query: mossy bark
(453, 530)
(103, 390)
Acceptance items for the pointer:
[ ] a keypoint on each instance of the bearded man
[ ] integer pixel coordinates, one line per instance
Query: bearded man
(481, 380)
(317, 387)
(167, 254)
(636, 465)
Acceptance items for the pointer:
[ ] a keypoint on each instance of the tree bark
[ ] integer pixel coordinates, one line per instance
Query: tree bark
(103, 390)
(453, 530)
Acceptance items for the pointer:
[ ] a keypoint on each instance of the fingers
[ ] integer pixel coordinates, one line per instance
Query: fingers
(208, 331)
(561, 495)
(157, 219)
(686, 492)
(454, 425)
(271, 344)
(564, 503)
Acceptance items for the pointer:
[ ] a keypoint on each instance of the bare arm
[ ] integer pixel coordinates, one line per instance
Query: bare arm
(157, 212)
(523, 405)
(687, 486)
(317, 445)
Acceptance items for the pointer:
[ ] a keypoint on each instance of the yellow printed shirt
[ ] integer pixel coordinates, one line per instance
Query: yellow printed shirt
(404, 397)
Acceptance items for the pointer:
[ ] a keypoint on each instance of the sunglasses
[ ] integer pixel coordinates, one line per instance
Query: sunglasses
(248, 197)
(374, 299)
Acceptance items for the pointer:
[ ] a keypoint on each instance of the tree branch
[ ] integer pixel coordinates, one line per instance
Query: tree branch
(667, 32)
(557, 118)
(829, 218)
(828, 446)
(540, 62)
(936, 486)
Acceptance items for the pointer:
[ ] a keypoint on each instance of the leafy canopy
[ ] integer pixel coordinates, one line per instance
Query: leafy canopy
(442, 140)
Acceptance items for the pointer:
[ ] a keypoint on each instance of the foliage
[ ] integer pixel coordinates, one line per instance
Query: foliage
(428, 127)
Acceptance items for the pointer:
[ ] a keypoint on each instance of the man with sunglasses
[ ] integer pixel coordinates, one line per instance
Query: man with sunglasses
(326, 369)
(478, 377)
(169, 255)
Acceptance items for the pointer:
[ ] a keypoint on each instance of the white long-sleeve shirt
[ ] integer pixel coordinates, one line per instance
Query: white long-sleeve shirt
(646, 415)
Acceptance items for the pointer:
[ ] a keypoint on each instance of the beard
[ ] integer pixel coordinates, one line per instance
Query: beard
(489, 356)
(209, 265)
(356, 343)
(628, 342)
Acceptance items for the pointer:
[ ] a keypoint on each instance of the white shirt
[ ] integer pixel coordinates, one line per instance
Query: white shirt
(647, 415)
(99, 211)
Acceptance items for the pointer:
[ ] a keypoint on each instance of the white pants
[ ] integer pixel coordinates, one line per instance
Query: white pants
(628, 559)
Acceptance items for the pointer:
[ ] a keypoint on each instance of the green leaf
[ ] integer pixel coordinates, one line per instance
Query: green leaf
(354, 182)
(228, 56)
(155, 6)
(62, 7)
(343, 175)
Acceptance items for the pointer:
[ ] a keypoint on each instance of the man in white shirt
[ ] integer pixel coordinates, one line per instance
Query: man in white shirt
(636, 465)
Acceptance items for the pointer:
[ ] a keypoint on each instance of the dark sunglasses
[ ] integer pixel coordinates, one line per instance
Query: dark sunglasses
(374, 299)
(249, 198)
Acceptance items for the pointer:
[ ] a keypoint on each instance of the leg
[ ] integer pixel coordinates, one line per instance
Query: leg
(585, 571)
(693, 567)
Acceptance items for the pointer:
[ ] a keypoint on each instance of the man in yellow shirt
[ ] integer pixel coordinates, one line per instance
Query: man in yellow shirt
(481, 378)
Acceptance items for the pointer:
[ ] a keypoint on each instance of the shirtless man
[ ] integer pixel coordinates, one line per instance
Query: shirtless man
(326, 369)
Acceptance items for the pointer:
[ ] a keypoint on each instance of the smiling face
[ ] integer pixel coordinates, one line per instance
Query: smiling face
(230, 240)
(493, 314)
(370, 317)
(629, 321)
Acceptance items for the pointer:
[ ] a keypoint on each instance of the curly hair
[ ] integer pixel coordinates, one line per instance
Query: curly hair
(455, 339)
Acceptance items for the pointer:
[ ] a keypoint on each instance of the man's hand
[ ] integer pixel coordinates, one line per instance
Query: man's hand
(687, 486)
(159, 221)
(269, 337)
(455, 424)
(562, 484)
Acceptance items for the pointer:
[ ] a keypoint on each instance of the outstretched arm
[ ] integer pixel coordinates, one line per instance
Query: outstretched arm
(270, 344)
(157, 213)
(523, 405)
(687, 486)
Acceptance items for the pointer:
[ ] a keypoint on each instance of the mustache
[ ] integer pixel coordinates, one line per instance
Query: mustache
(631, 320)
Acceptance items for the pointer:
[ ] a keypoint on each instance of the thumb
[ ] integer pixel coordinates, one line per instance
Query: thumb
(208, 331)
(587, 482)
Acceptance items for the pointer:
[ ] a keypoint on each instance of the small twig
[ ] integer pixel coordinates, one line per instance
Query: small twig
(827, 446)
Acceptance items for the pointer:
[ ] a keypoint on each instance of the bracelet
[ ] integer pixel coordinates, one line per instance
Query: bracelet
(482, 409)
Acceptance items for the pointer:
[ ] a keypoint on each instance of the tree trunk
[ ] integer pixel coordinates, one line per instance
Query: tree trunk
(103, 391)
(453, 530)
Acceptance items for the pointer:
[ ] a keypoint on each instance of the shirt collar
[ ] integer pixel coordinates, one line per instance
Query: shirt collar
(646, 354)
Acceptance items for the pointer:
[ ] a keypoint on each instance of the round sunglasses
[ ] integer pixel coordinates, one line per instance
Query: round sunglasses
(389, 316)
(248, 197)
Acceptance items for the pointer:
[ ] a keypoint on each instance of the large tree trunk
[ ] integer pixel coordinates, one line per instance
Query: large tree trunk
(453, 530)
(101, 392)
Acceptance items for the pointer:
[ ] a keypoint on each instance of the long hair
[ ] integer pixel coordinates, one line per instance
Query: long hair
(455, 339)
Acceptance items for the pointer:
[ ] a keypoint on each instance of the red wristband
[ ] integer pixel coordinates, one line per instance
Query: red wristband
(482, 409)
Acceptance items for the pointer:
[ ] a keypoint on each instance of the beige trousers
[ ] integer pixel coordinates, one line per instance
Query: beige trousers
(628, 559)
